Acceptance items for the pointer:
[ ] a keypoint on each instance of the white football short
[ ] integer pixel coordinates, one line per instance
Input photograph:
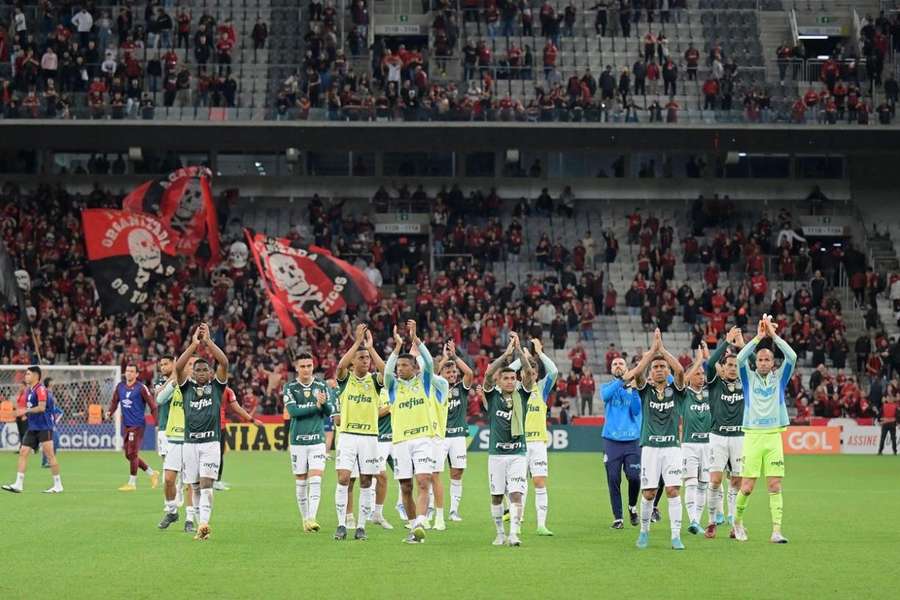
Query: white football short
(307, 458)
(506, 474)
(413, 457)
(201, 461)
(695, 461)
(537, 458)
(174, 460)
(660, 462)
(453, 449)
(360, 451)
(724, 449)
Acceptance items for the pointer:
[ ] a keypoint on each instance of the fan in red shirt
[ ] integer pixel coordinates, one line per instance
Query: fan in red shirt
(586, 387)
(759, 285)
(578, 357)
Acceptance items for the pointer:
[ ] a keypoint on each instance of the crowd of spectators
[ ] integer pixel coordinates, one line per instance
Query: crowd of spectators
(461, 299)
(73, 60)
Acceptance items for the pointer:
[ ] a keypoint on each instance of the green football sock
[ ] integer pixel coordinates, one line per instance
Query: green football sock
(741, 506)
(776, 506)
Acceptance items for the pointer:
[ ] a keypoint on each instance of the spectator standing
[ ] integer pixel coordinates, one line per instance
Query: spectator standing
(586, 388)
(888, 424)
(260, 33)
(84, 23)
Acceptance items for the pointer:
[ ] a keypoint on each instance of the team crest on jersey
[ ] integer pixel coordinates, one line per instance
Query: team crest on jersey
(454, 392)
(206, 389)
(730, 387)
(669, 392)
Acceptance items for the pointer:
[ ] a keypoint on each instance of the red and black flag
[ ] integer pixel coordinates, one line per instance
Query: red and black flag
(129, 253)
(183, 200)
(306, 284)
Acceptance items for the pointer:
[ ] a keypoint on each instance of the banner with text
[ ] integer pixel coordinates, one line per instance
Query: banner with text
(812, 440)
(78, 437)
(247, 436)
(564, 438)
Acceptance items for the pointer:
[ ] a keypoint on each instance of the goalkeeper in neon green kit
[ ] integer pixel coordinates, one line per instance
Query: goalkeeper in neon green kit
(765, 417)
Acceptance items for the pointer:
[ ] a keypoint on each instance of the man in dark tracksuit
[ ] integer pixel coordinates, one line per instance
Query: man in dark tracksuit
(621, 434)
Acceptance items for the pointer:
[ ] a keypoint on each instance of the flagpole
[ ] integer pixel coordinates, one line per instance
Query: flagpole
(37, 348)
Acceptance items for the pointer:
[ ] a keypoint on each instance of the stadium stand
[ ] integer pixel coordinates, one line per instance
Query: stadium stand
(603, 61)
(591, 277)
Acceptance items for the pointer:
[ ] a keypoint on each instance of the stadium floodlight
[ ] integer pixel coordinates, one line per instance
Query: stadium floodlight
(292, 155)
(135, 154)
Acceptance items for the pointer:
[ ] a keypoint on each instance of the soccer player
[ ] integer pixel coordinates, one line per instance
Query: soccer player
(306, 401)
(696, 424)
(385, 458)
(163, 388)
(536, 438)
(38, 411)
(440, 394)
(765, 417)
(454, 442)
(413, 425)
(170, 400)
(357, 444)
(202, 398)
(660, 452)
(621, 437)
(134, 398)
(726, 438)
(506, 402)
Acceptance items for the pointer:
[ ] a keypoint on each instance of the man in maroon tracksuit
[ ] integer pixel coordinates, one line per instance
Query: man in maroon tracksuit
(134, 398)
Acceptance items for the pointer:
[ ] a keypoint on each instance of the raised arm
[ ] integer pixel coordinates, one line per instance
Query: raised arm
(527, 371)
(716, 356)
(373, 353)
(466, 370)
(696, 366)
(389, 379)
(637, 373)
(549, 366)
(182, 360)
(427, 360)
(674, 365)
(218, 355)
(790, 357)
(743, 357)
(496, 366)
(344, 364)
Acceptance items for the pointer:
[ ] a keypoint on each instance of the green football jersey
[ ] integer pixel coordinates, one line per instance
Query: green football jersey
(500, 412)
(385, 433)
(306, 427)
(661, 411)
(726, 398)
(162, 413)
(695, 417)
(202, 410)
(457, 406)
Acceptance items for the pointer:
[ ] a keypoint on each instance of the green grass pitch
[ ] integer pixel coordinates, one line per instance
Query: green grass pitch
(95, 542)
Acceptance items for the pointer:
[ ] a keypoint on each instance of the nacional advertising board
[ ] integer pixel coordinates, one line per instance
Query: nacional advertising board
(78, 437)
